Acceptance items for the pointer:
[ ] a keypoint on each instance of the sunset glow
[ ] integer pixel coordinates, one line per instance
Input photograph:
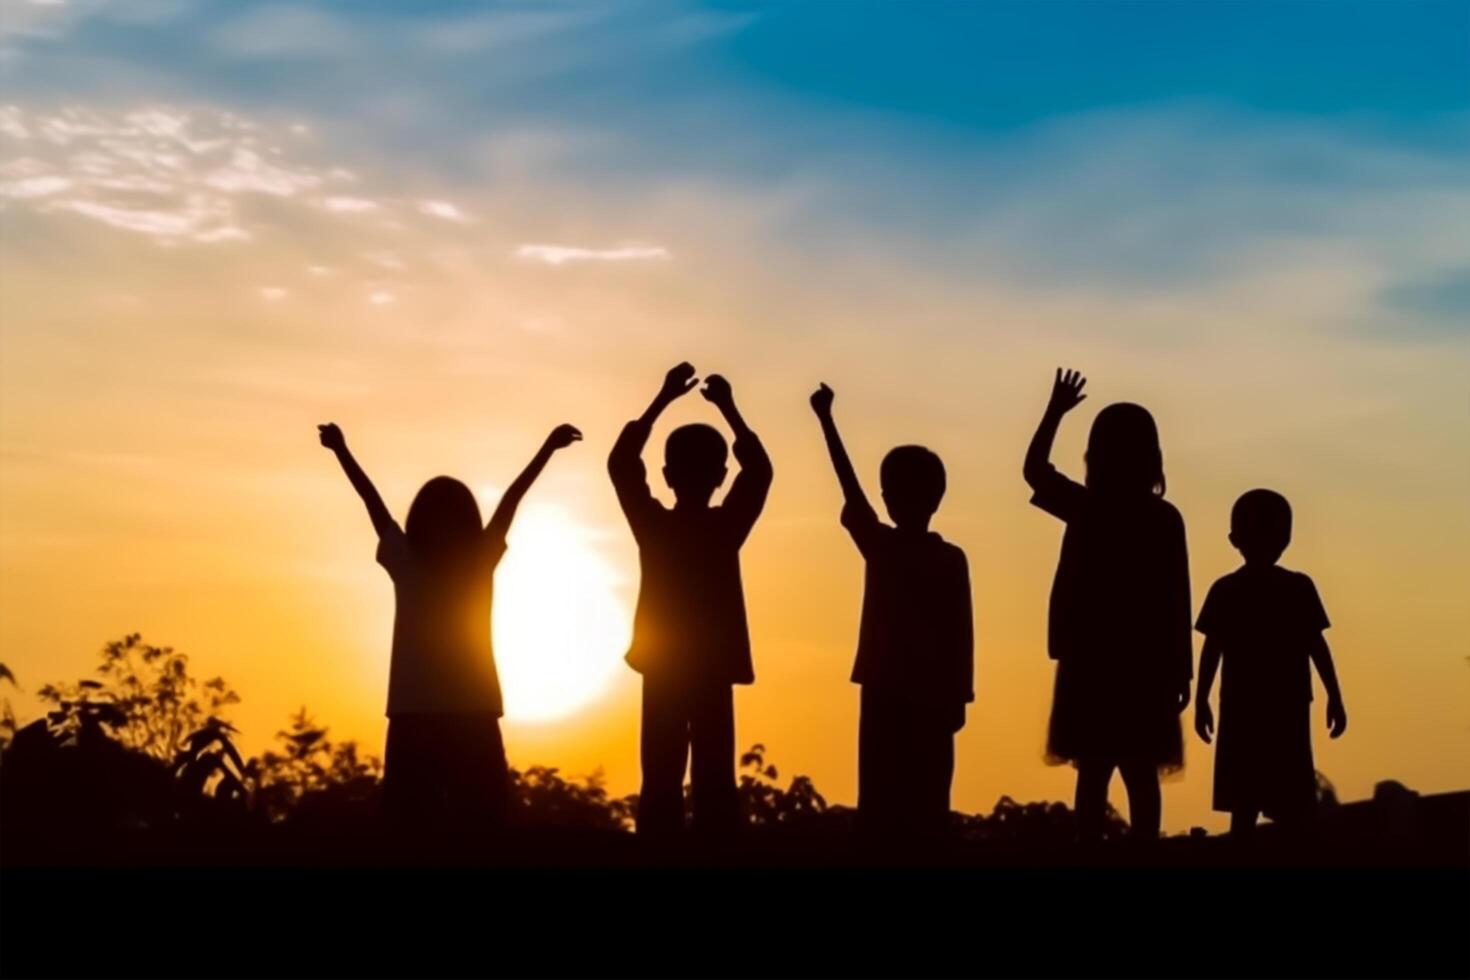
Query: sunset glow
(450, 227)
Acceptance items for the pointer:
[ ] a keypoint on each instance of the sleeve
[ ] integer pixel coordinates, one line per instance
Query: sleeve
(393, 552)
(747, 496)
(964, 627)
(863, 526)
(1212, 615)
(1058, 495)
(629, 476)
(493, 547)
(1179, 636)
(1313, 614)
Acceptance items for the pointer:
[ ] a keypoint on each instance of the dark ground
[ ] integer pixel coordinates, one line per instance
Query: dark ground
(595, 904)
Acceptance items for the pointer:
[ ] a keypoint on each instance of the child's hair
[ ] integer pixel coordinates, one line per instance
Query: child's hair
(1260, 524)
(913, 482)
(695, 457)
(443, 522)
(1123, 454)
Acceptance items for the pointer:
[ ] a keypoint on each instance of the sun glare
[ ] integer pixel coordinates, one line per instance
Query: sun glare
(559, 624)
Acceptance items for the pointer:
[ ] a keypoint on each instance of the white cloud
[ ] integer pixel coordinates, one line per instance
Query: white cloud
(381, 297)
(159, 171)
(273, 294)
(349, 205)
(562, 254)
(445, 210)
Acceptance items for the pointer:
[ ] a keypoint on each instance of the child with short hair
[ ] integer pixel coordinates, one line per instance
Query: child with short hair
(691, 641)
(1265, 623)
(916, 650)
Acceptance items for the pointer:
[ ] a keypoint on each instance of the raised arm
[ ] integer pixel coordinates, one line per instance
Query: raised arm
(560, 438)
(747, 496)
(1321, 656)
(334, 440)
(852, 489)
(1066, 394)
(625, 462)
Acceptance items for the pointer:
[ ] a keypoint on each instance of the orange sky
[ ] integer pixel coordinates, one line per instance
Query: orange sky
(159, 469)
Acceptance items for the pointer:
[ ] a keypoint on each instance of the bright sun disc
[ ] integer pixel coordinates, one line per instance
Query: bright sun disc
(559, 625)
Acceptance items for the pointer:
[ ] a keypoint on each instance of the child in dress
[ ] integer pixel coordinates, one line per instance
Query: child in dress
(1119, 621)
(445, 761)
(1265, 623)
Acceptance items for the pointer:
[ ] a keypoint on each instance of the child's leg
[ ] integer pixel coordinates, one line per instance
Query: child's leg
(1145, 805)
(712, 762)
(1243, 822)
(1093, 776)
(883, 758)
(411, 789)
(663, 751)
(481, 780)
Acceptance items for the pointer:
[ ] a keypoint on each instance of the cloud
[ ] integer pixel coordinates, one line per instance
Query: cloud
(350, 205)
(563, 254)
(445, 210)
(168, 173)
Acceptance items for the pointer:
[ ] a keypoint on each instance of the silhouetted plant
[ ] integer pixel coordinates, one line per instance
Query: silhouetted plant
(145, 698)
(311, 773)
(762, 800)
(542, 797)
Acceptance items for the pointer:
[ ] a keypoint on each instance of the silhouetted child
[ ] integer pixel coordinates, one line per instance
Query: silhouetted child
(1119, 624)
(445, 761)
(1266, 624)
(690, 638)
(916, 644)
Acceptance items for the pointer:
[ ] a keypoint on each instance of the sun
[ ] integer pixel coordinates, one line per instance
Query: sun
(560, 624)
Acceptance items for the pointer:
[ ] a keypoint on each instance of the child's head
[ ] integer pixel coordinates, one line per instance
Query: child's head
(1260, 526)
(694, 462)
(444, 521)
(912, 478)
(1123, 454)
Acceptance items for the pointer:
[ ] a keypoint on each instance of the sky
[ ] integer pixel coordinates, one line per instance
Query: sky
(450, 226)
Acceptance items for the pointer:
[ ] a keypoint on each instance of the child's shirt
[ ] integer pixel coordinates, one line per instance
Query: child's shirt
(916, 640)
(1264, 618)
(690, 617)
(1121, 590)
(442, 656)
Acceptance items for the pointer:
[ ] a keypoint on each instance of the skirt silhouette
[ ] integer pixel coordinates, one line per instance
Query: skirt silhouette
(1103, 712)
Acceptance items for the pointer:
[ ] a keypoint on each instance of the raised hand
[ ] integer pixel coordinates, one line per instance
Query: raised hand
(678, 382)
(563, 436)
(1204, 720)
(822, 401)
(332, 437)
(1066, 391)
(717, 391)
(1336, 718)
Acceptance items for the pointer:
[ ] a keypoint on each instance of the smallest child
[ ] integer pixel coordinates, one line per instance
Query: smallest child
(1266, 623)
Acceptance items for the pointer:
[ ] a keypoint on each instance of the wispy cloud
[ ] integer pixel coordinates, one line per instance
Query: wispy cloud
(563, 254)
(159, 171)
(445, 210)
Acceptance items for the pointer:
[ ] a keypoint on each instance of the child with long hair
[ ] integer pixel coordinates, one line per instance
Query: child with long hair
(445, 761)
(1119, 623)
